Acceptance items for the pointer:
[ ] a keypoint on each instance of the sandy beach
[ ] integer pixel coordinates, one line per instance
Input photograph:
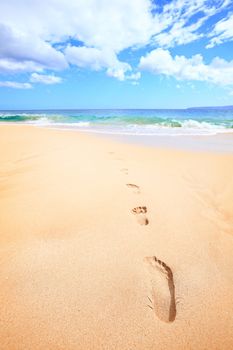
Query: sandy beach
(106, 245)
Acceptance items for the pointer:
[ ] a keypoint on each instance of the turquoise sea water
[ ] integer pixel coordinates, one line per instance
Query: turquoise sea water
(203, 121)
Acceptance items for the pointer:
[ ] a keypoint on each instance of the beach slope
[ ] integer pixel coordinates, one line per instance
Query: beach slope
(107, 245)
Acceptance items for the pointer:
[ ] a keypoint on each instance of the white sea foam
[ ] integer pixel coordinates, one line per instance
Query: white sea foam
(44, 121)
(194, 124)
(41, 121)
(166, 127)
(148, 130)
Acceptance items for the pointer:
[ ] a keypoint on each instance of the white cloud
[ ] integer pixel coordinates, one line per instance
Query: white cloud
(177, 20)
(223, 31)
(160, 61)
(97, 59)
(179, 34)
(45, 79)
(19, 49)
(8, 65)
(134, 76)
(118, 73)
(34, 34)
(30, 30)
(15, 85)
(114, 24)
(90, 57)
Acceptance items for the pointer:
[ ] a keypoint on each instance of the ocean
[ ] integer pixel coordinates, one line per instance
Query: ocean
(167, 122)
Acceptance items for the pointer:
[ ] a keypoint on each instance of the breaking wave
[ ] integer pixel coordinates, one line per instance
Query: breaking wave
(129, 122)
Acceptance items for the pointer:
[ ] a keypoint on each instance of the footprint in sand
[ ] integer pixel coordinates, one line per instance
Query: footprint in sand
(140, 213)
(136, 188)
(163, 289)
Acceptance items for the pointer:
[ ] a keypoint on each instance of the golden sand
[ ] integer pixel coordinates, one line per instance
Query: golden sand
(113, 246)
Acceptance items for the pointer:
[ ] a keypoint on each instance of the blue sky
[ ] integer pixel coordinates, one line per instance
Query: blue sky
(115, 54)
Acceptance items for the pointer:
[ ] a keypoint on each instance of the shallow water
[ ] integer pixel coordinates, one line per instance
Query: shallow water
(130, 122)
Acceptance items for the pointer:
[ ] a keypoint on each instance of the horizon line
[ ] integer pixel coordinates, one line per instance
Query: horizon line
(109, 109)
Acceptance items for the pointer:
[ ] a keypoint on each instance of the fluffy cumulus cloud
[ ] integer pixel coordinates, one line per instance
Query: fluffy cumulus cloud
(160, 61)
(97, 59)
(32, 35)
(52, 35)
(45, 79)
(21, 51)
(115, 24)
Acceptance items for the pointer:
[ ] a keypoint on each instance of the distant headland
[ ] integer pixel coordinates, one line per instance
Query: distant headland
(212, 107)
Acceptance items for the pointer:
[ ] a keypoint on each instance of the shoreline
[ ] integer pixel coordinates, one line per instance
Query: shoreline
(219, 142)
(82, 219)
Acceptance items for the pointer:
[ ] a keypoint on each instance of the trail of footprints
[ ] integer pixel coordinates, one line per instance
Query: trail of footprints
(162, 300)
